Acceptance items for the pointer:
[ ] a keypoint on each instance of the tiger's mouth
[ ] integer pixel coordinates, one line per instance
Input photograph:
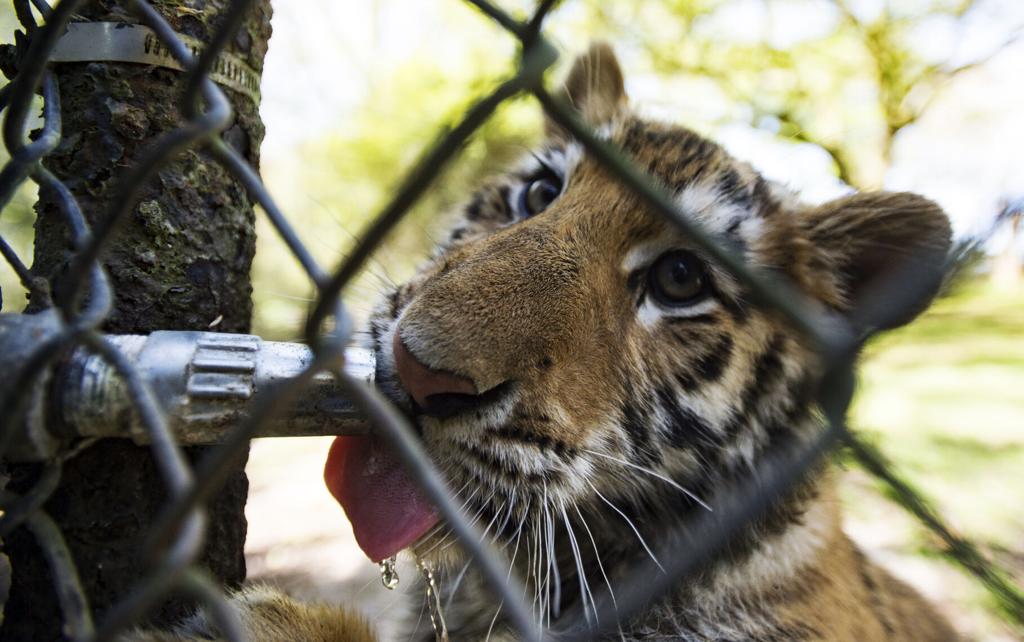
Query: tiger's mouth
(387, 508)
(449, 405)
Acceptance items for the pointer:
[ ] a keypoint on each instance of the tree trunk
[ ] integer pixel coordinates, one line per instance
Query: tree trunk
(181, 261)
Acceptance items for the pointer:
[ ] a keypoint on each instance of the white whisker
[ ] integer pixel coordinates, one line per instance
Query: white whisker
(455, 585)
(536, 562)
(511, 565)
(556, 602)
(671, 482)
(597, 556)
(494, 619)
(449, 533)
(419, 620)
(580, 573)
(631, 525)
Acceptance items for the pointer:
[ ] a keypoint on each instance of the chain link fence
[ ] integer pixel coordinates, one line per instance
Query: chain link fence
(82, 300)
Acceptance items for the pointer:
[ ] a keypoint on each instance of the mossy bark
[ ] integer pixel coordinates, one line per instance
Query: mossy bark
(181, 261)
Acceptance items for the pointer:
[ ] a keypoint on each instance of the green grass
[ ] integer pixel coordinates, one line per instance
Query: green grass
(944, 400)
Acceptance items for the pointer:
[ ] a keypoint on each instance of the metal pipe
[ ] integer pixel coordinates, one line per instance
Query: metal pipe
(205, 382)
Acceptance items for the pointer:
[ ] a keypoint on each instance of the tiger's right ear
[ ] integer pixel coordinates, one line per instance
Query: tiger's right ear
(874, 242)
(594, 87)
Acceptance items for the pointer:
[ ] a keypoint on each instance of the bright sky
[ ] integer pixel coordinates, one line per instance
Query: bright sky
(965, 153)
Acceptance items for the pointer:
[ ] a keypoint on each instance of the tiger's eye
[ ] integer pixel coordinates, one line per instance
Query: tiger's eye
(539, 194)
(678, 278)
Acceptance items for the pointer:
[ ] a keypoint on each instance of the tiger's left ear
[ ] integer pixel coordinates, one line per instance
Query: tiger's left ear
(594, 87)
(866, 242)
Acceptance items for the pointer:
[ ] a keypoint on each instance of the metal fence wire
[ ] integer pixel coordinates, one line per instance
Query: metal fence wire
(178, 533)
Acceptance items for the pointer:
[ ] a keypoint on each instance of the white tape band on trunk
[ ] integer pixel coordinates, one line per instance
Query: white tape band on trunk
(123, 42)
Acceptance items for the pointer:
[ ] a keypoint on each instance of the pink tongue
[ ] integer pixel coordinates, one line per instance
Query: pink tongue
(387, 509)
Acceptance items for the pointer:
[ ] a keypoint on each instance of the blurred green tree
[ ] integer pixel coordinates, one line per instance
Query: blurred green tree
(846, 75)
(17, 216)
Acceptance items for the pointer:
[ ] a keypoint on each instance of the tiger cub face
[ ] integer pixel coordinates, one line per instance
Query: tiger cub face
(577, 366)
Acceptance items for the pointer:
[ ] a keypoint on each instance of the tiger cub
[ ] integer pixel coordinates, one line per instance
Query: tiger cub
(589, 382)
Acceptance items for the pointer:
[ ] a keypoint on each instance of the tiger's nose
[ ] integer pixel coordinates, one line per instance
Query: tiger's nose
(436, 392)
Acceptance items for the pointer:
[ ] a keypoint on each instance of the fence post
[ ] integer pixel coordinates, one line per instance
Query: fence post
(181, 262)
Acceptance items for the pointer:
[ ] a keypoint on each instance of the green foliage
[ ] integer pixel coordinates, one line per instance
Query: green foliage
(941, 398)
(16, 217)
(945, 394)
(807, 70)
(16, 221)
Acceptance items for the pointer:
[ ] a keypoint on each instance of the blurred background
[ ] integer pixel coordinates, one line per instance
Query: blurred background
(823, 95)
